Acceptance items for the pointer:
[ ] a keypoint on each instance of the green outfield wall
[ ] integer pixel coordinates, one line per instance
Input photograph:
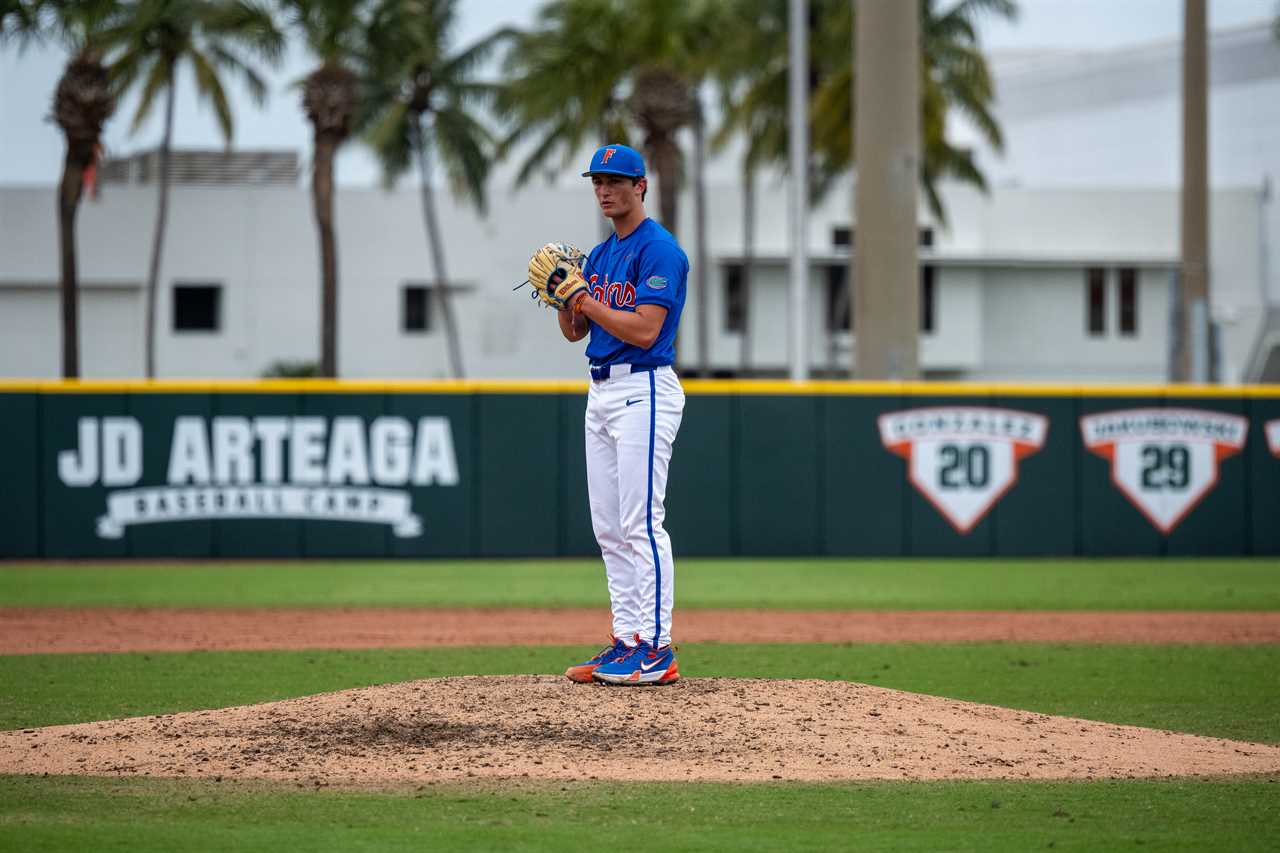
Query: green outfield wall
(419, 469)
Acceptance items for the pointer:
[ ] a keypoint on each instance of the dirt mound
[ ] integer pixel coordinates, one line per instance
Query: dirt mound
(53, 629)
(717, 729)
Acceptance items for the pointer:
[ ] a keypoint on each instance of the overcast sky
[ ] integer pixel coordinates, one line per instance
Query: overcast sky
(31, 147)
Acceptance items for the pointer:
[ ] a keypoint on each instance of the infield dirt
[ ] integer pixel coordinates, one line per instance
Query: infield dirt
(103, 629)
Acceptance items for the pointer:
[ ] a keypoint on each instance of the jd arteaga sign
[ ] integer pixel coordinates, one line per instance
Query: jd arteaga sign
(228, 467)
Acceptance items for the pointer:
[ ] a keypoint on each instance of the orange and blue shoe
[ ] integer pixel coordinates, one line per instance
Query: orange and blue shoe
(643, 664)
(581, 673)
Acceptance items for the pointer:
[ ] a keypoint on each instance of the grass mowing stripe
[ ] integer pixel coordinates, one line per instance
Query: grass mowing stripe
(1199, 584)
(1221, 691)
(143, 815)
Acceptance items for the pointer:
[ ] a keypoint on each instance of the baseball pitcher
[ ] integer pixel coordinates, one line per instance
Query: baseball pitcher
(627, 295)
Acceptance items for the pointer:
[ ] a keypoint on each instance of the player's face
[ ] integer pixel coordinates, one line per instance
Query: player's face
(616, 195)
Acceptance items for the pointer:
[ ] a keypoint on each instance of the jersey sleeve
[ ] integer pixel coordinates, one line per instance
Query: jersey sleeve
(660, 274)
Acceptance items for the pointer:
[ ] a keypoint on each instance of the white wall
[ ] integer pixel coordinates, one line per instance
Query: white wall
(1037, 328)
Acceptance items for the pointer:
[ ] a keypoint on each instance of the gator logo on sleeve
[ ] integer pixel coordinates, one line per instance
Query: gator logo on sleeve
(963, 459)
(1164, 460)
(656, 282)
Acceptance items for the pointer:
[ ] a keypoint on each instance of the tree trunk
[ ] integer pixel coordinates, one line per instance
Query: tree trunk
(157, 243)
(700, 240)
(666, 165)
(437, 251)
(748, 260)
(322, 198)
(69, 194)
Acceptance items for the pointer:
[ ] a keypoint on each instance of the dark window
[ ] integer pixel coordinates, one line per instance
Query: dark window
(842, 237)
(1128, 301)
(417, 308)
(735, 299)
(1095, 285)
(926, 238)
(196, 307)
(839, 301)
(928, 287)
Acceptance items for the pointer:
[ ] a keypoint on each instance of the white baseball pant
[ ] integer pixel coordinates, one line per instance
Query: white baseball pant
(631, 423)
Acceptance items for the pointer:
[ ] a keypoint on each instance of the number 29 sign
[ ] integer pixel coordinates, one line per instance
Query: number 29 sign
(1164, 460)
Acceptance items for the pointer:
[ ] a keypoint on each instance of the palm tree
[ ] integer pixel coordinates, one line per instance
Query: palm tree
(954, 75)
(751, 75)
(82, 103)
(597, 69)
(333, 31)
(151, 39)
(418, 105)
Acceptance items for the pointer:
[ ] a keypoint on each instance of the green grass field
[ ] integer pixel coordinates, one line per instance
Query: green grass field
(1049, 584)
(1228, 691)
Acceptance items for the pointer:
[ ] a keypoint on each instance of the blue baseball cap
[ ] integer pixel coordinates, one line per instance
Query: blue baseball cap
(616, 160)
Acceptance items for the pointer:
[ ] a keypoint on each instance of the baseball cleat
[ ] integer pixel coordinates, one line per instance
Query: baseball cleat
(581, 673)
(641, 665)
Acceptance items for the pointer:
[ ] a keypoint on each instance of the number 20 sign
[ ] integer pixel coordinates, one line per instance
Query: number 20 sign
(963, 458)
(1164, 460)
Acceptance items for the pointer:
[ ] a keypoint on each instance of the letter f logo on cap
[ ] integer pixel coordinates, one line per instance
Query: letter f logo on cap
(616, 159)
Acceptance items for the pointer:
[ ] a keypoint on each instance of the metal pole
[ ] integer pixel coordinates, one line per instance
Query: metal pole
(887, 154)
(798, 202)
(1192, 364)
(700, 238)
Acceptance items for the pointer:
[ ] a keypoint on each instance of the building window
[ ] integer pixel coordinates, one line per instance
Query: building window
(1128, 301)
(1095, 285)
(416, 313)
(735, 299)
(839, 301)
(842, 237)
(197, 307)
(928, 288)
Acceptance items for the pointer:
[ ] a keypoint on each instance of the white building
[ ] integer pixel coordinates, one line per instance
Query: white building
(1063, 272)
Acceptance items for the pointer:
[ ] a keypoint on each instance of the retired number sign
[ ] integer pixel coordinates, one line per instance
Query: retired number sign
(1164, 460)
(963, 459)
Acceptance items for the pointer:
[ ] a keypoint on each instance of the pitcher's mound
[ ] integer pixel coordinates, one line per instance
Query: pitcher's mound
(717, 729)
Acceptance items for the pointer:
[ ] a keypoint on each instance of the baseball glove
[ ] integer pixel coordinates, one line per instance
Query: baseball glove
(555, 271)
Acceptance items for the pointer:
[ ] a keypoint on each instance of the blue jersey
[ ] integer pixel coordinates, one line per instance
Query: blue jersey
(647, 267)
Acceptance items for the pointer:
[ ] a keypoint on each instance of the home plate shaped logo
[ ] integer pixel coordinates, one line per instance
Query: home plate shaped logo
(1164, 460)
(963, 459)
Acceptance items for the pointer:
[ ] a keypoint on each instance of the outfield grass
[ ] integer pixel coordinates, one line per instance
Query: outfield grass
(142, 815)
(1169, 584)
(1204, 690)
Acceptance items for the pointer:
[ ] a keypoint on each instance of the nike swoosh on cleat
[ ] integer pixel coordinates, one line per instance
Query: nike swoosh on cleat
(633, 402)
(648, 667)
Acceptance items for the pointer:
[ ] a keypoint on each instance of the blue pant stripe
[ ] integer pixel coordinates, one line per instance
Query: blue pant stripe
(653, 543)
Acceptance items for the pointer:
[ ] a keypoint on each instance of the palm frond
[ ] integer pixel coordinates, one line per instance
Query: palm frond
(159, 78)
(209, 86)
(463, 144)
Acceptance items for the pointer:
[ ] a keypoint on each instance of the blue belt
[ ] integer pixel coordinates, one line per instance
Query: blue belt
(599, 374)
